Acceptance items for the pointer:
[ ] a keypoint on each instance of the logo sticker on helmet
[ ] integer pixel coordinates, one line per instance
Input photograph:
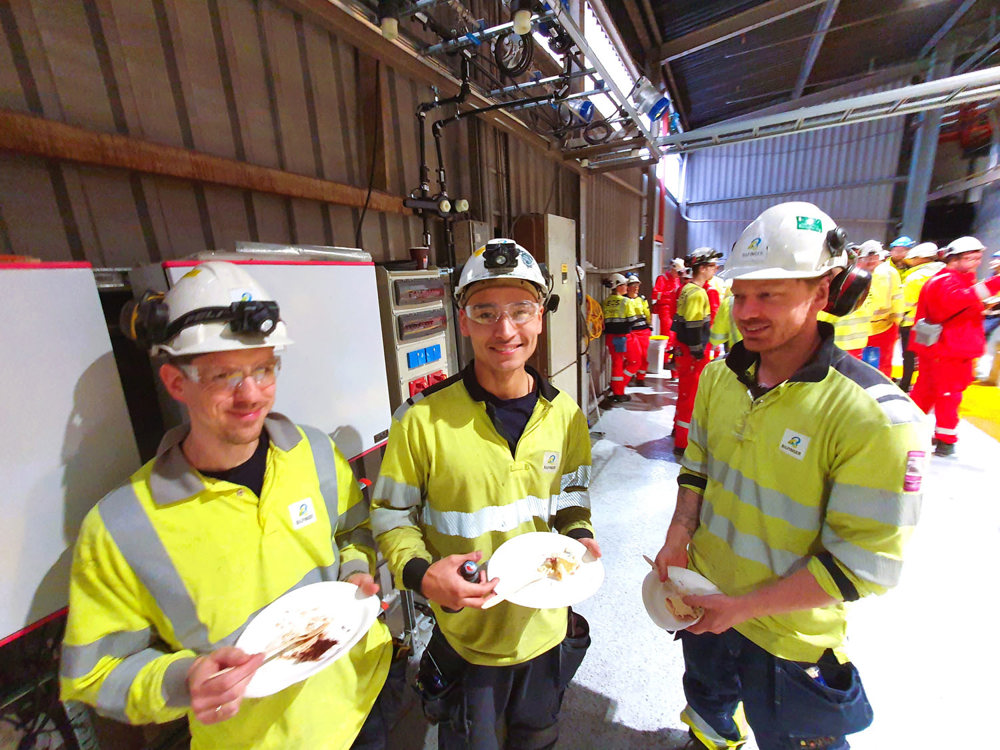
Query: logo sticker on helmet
(527, 259)
(808, 223)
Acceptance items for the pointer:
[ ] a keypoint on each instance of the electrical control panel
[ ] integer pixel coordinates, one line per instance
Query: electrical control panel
(415, 330)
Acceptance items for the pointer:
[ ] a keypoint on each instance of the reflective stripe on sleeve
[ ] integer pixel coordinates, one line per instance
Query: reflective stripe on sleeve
(174, 689)
(77, 661)
(497, 517)
(865, 564)
(890, 508)
(132, 531)
(326, 470)
(113, 694)
(895, 405)
(354, 516)
(398, 495)
(578, 478)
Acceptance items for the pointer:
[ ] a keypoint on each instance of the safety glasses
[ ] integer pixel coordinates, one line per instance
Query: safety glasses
(217, 379)
(519, 313)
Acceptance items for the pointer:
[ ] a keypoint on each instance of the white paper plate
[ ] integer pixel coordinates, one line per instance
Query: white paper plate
(350, 614)
(517, 561)
(654, 595)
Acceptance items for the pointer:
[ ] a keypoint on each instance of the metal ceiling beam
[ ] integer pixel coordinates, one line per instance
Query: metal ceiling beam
(960, 186)
(621, 97)
(822, 26)
(938, 35)
(585, 152)
(979, 54)
(981, 84)
(741, 23)
(604, 18)
(635, 16)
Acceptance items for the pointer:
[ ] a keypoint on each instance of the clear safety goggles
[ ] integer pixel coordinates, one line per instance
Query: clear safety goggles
(264, 375)
(519, 313)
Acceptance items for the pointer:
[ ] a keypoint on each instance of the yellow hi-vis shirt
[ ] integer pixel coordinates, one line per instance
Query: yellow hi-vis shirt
(617, 310)
(885, 298)
(175, 564)
(724, 330)
(851, 331)
(639, 314)
(822, 472)
(913, 281)
(449, 485)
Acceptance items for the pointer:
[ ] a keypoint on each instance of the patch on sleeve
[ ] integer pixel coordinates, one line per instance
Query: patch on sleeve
(916, 463)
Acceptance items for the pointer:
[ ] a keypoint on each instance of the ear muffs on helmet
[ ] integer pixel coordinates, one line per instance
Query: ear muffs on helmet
(847, 291)
(145, 321)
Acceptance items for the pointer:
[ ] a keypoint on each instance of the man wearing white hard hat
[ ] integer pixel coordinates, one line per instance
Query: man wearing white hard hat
(665, 290)
(623, 347)
(923, 263)
(239, 507)
(885, 302)
(948, 337)
(642, 326)
(483, 458)
(783, 504)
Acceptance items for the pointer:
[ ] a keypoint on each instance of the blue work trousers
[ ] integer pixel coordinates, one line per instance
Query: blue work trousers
(785, 706)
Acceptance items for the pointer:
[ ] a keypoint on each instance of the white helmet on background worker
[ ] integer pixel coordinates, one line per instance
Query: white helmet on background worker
(702, 255)
(922, 251)
(792, 240)
(214, 307)
(614, 281)
(678, 264)
(632, 278)
(963, 245)
(869, 248)
(502, 262)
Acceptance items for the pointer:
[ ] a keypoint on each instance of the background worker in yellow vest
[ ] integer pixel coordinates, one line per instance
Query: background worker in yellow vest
(898, 250)
(642, 326)
(851, 331)
(885, 301)
(170, 567)
(783, 504)
(483, 457)
(622, 346)
(923, 264)
(692, 324)
(724, 332)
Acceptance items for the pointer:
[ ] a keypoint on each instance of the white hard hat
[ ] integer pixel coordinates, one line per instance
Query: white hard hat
(869, 248)
(632, 278)
(504, 263)
(678, 264)
(963, 245)
(702, 255)
(615, 279)
(216, 307)
(923, 250)
(792, 240)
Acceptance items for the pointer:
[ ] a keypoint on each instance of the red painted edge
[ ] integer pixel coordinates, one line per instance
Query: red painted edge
(365, 453)
(268, 262)
(33, 626)
(37, 266)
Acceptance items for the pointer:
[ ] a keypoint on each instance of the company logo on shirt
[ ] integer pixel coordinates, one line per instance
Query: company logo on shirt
(794, 444)
(302, 513)
(550, 462)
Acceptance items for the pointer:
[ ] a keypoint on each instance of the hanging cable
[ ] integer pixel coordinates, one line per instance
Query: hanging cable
(371, 171)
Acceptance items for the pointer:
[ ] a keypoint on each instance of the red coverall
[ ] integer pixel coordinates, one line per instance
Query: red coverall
(664, 305)
(694, 313)
(622, 346)
(955, 301)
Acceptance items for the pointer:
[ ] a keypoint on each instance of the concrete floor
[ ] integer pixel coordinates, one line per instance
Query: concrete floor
(924, 659)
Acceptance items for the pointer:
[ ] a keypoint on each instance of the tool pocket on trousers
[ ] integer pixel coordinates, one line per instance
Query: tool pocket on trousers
(620, 343)
(573, 648)
(438, 677)
(828, 699)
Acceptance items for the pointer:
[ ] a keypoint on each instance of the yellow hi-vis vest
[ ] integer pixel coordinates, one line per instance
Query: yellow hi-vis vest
(175, 564)
(638, 313)
(449, 485)
(789, 480)
(617, 315)
(885, 298)
(913, 281)
(724, 330)
(851, 331)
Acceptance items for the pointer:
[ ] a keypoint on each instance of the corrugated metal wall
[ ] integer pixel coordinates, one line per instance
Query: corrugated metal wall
(248, 80)
(849, 172)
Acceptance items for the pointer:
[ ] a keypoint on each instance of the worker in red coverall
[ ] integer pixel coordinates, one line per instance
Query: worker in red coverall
(664, 302)
(692, 324)
(642, 325)
(621, 344)
(953, 300)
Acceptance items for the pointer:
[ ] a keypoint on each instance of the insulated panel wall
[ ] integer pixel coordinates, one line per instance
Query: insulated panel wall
(70, 437)
(849, 172)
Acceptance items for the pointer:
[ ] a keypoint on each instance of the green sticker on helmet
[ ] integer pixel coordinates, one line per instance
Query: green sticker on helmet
(808, 223)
